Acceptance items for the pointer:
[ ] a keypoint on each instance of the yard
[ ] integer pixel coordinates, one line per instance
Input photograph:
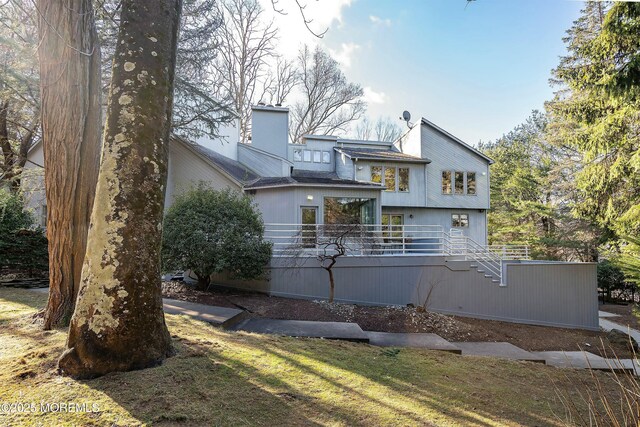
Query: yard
(223, 378)
(407, 319)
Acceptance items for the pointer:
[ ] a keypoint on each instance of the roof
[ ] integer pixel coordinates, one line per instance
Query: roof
(309, 179)
(233, 168)
(456, 139)
(380, 154)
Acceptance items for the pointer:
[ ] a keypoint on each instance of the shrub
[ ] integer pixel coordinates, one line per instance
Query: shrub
(12, 214)
(21, 248)
(611, 279)
(210, 231)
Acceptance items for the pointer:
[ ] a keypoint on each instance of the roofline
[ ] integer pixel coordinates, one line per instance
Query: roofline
(266, 153)
(300, 184)
(363, 142)
(207, 160)
(320, 137)
(458, 140)
(270, 108)
(365, 157)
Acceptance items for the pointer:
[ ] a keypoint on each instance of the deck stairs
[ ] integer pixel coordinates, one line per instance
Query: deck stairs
(462, 248)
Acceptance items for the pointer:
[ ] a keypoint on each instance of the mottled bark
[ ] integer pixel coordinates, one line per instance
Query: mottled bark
(119, 323)
(70, 91)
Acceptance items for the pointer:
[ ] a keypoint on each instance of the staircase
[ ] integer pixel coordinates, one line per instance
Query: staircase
(463, 248)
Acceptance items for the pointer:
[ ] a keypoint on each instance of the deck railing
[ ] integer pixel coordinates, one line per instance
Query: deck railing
(511, 252)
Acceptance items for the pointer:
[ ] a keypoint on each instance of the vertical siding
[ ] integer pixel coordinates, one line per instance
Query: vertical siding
(417, 194)
(186, 169)
(446, 154)
(270, 130)
(33, 183)
(315, 145)
(263, 164)
(344, 166)
(561, 295)
(226, 143)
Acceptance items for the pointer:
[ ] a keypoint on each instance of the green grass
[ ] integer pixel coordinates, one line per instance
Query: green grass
(224, 378)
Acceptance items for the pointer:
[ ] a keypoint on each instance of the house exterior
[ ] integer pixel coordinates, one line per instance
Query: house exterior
(426, 177)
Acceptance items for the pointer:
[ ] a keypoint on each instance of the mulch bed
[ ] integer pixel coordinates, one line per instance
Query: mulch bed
(402, 319)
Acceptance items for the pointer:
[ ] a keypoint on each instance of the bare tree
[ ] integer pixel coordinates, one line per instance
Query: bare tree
(330, 103)
(19, 89)
(70, 97)
(384, 129)
(247, 43)
(280, 81)
(118, 324)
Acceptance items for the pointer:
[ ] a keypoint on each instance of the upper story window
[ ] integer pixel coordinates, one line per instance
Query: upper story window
(300, 155)
(326, 157)
(297, 155)
(307, 155)
(393, 178)
(459, 183)
(460, 220)
(317, 156)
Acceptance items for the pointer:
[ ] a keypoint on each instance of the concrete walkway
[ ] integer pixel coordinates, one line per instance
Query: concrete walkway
(239, 320)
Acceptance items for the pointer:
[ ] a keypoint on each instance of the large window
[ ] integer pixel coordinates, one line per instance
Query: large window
(471, 183)
(349, 210)
(460, 220)
(394, 179)
(403, 180)
(390, 179)
(459, 182)
(446, 182)
(309, 228)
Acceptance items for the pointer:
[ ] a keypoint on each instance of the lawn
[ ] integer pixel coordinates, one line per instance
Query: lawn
(228, 378)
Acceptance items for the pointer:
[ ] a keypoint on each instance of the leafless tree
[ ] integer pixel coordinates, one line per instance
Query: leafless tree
(70, 106)
(384, 129)
(118, 324)
(280, 81)
(330, 102)
(247, 43)
(19, 89)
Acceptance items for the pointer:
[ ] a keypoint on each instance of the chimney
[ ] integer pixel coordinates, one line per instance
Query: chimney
(270, 129)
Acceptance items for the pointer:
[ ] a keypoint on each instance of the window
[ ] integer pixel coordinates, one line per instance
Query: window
(309, 227)
(43, 216)
(471, 183)
(459, 184)
(392, 225)
(307, 155)
(403, 180)
(376, 174)
(349, 210)
(297, 155)
(460, 220)
(317, 157)
(446, 182)
(326, 157)
(390, 179)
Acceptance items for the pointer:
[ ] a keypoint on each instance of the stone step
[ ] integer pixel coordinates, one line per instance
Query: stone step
(503, 350)
(303, 328)
(413, 340)
(586, 360)
(219, 316)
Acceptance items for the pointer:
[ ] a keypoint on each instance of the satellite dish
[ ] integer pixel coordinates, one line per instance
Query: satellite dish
(406, 116)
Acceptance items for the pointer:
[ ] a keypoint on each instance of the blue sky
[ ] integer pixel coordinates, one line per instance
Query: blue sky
(476, 72)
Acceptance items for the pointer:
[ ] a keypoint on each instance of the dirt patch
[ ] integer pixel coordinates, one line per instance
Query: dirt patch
(402, 319)
(626, 314)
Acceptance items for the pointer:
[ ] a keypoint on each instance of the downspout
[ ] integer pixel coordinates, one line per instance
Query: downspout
(355, 167)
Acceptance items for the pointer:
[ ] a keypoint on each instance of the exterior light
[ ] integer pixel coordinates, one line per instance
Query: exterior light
(309, 197)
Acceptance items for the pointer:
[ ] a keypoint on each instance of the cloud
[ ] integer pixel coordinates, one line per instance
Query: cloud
(376, 20)
(343, 56)
(292, 32)
(373, 97)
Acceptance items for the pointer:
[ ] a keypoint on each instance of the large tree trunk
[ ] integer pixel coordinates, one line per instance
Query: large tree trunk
(119, 323)
(70, 91)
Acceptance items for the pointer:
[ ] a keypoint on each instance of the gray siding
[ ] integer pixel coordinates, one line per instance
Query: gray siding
(270, 129)
(417, 192)
(282, 205)
(477, 229)
(314, 145)
(186, 169)
(562, 295)
(344, 166)
(227, 141)
(33, 184)
(264, 164)
(446, 154)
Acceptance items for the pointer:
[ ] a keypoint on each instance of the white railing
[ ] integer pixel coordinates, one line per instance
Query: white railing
(295, 240)
(510, 252)
(356, 239)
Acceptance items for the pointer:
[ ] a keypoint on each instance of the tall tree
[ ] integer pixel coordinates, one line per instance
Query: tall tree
(384, 129)
(329, 101)
(247, 43)
(70, 106)
(596, 111)
(118, 323)
(19, 89)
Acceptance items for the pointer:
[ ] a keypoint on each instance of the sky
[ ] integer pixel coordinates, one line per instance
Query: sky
(476, 70)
